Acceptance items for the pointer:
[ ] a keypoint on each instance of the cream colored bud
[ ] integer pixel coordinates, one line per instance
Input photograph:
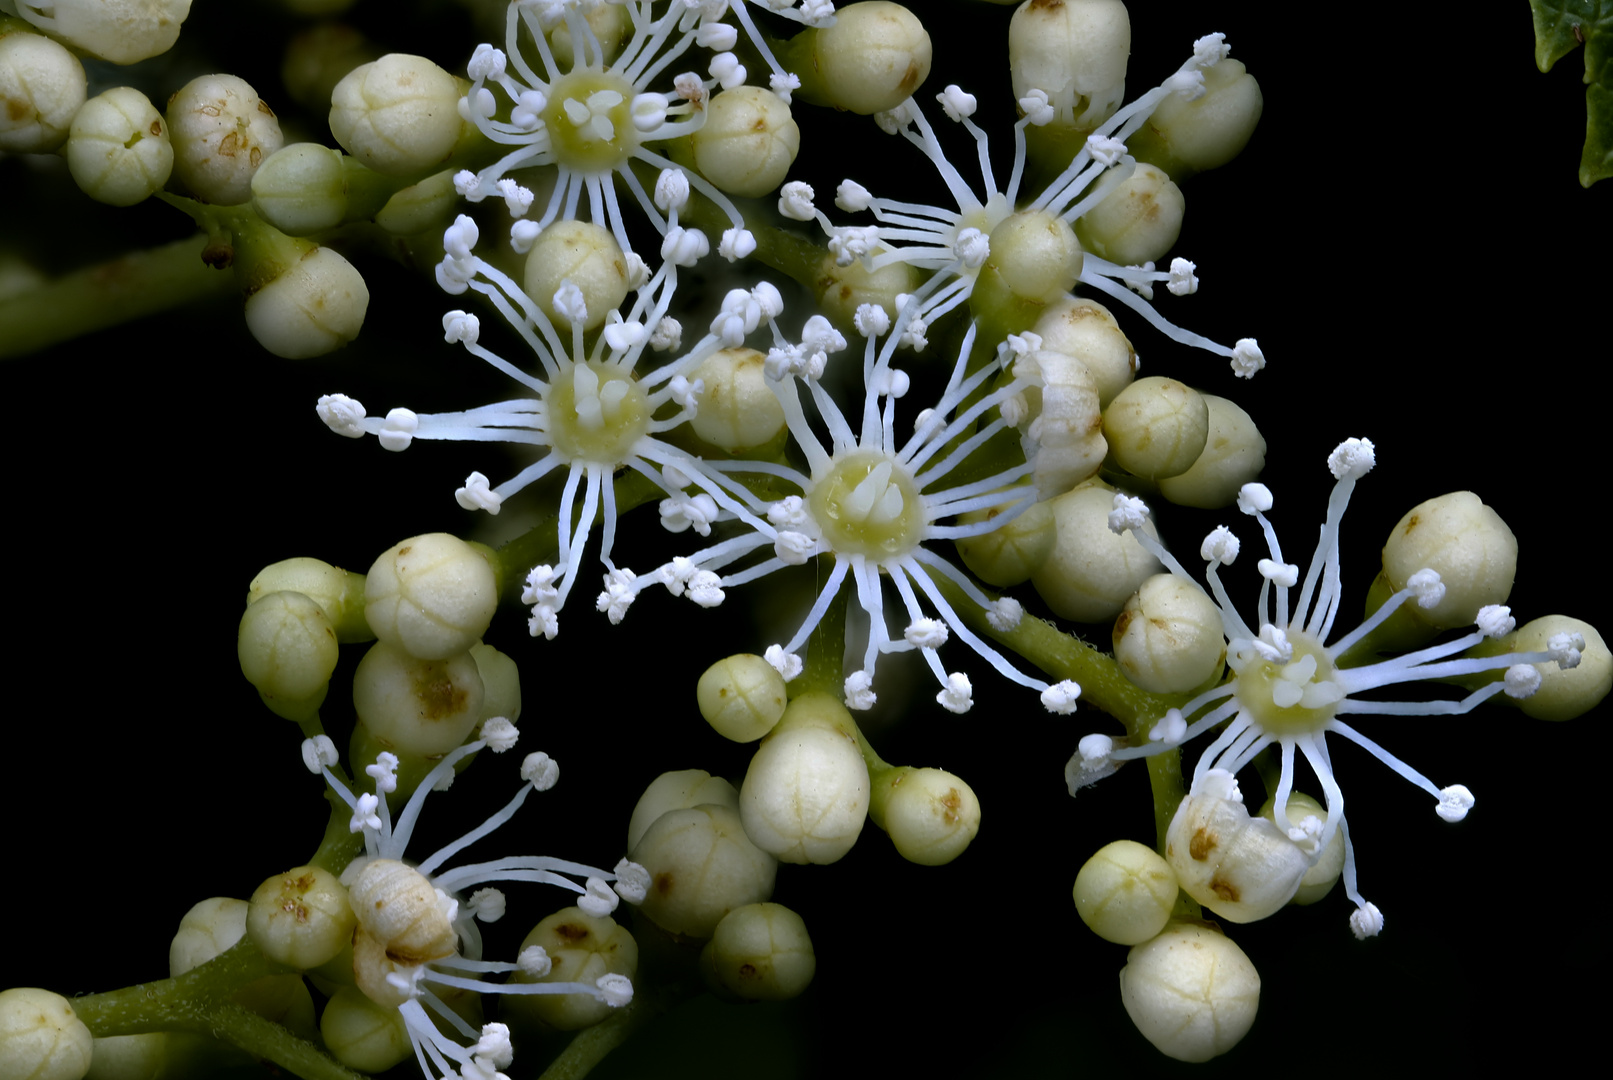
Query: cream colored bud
(1091, 571)
(1157, 427)
(702, 865)
(1074, 51)
(930, 814)
(414, 706)
(678, 791)
(207, 929)
(340, 593)
(398, 115)
(1466, 543)
(122, 31)
(741, 696)
(748, 141)
(1190, 991)
(221, 131)
(1034, 256)
(805, 795)
(736, 410)
(1137, 222)
(760, 952)
(1063, 427)
(42, 86)
(315, 307)
(1234, 453)
(41, 1038)
(301, 188)
(1240, 867)
(1320, 878)
(119, 152)
(588, 256)
(362, 1034)
(287, 649)
(1184, 137)
(843, 289)
(1168, 639)
(610, 25)
(1125, 892)
(874, 57)
(581, 948)
(1010, 553)
(300, 918)
(1086, 330)
(501, 683)
(137, 1057)
(402, 923)
(1565, 693)
(432, 595)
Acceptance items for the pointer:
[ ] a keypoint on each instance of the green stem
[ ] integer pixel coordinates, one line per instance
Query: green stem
(590, 1045)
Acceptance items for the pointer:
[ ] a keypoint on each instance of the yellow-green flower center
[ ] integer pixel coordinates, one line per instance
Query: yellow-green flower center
(1292, 698)
(867, 504)
(590, 122)
(596, 413)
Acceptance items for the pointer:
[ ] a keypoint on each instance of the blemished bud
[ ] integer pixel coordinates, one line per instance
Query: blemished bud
(432, 596)
(1075, 52)
(122, 31)
(1320, 878)
(119, 152)
(41, 1038)
(1125, 892)
(501, 683)
(1191, 991)
(1242, 868)
(300, 918)
(741, 696)
(760, 952)
(402, 922)
(1234, 454)
(588, 256)
(1086, 330)
(748, 141)
(221, 131)
(1011, 553)
(581, 948)
(315, 307)
(874, 57)
(1466, 543)
(930, 814)
(207, 929)
(415, 706)
(841, 290)
(736, 409)
(398, 115)
(1168, 639)
(301, 189)
(340, 593)
(1063, 426)
(1564, 693)
(1157, 427)
(1035, 258)
(287, 649)
(702, 865)
(1186, 137)
(1137, 222)
(42, 86)
(805, 795)
(1091, 571)
(362, 1034)
(678, 791)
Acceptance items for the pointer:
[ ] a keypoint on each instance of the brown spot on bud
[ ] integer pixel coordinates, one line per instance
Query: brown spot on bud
(572, 932)
(1201, 845)
(747, 971)
(1224, 889)
(663, 883)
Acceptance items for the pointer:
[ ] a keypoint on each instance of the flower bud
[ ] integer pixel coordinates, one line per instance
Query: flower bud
(930, 814)
(362, 1034)
(1075, 52)
(702, 865)
(805, 795)
(1063, 427)
(1185, 137)
(1091, 570)
(41, 1038)
(1466, 543)
(301, 188)
(1086, 330)
(42, 86)
(300, 918)
(736, 410)
(1010, 553)
(340, 593)
(1243, 868)
(1168, 639)
(760, 952)
(315, 306)
(420, 207)
(581, 948)
(610, 25)
(1234, 453)
(588, 256)
(678, 791)
(1137, 222)
(287, 648)
(742, 697)
(874, 57)
(119, 152)
(402, 922)
(1125, 892)
(398, 115)
(1564, 693)
(414, 706)
(1320, 878)
(748, 141)
(1157, 427)
(501, 683)
(144, 1057)
(842, 290)
(221, 131)
(432, 596)
(122, 31)
(1190, 991)
(208, 928)
(1035, 258)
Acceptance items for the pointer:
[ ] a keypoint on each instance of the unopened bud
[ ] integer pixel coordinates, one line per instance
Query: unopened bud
(805, 795)
(221, 131)
(1125, 892)
(287, 649)
(742, 697)
(1191, 992)
(581, 948)
(1157, 427)
(1168, 639)
(748, 142)
(1137, 222)
(874, 57)
(702, 865)
(432, 596)
(398, 115)
(678, 791)
(760, 952)
(1234, 453)
(42, 86)
(588, 256)
(1091, 571)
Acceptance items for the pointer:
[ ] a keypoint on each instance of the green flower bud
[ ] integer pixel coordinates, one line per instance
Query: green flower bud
(501, 683)
(1186, 137)
(930, 814)
(1190, 991)
(874, 57)
(432, 596)
(41, 1038)
(315, 307)
(588, 256)
(1087, 331)
(340, 593)
(1035, 259)
(398, 115)
(1011, 553)
(581, 948)
(678, 791)
(1243, 868)
(420, 207)
(1564, 693)
(301, 918)
(1320, 878)
(318, 58)
(420, 707)
(1234, 453)
(122, 31)
(748, 141)
(119, 152)
(1157, 427)
(1168, 639)
(208, 928)
(42, 86)
(742, 697)
(1075, 52)
(1091, 571)
(301, 188)
(1466, 543)
(1125, 892)
(287, 649)
(221, 131)
(1137, 222)
(760, 952)
(1063, 423)
(702, 865)
(805, 795)
(841, 290)
(362, 1034)
(737, 411)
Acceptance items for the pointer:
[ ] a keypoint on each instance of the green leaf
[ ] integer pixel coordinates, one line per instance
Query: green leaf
(1561, 26)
